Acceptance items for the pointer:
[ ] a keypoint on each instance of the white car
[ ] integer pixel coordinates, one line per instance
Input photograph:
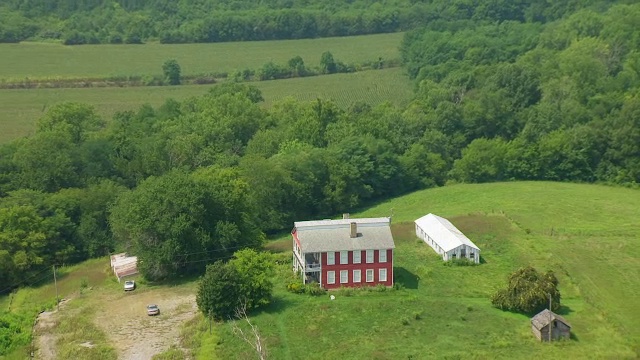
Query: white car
(153, 309)
(129, 285)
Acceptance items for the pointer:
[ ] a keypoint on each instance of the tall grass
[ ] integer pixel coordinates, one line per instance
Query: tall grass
(40, 294)
(79, 338)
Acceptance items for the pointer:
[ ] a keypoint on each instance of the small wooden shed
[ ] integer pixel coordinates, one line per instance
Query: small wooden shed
(546, 319)
(124, 265)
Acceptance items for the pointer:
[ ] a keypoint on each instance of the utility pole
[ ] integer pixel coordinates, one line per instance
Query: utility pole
(55, 281)
(550, 318)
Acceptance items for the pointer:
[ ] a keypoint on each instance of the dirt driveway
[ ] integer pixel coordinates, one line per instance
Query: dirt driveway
(133, 333)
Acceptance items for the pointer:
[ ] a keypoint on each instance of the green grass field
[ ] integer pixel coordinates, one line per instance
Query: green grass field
(21, 108)
(48, 60)
(587, 234)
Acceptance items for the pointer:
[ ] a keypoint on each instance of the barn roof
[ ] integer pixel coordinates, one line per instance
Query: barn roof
(334, 235)
(443, 232)
(544, 317)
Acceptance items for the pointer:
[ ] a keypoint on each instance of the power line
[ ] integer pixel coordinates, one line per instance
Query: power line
(214, 250)
(25, 280)
(209, 259)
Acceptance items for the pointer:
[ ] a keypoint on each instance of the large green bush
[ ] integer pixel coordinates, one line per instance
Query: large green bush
(528, 291)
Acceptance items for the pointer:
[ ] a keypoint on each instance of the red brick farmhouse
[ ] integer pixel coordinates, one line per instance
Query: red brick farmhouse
(346, 252)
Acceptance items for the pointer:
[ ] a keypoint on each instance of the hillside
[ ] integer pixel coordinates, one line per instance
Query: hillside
(502, 91)
(586, 234)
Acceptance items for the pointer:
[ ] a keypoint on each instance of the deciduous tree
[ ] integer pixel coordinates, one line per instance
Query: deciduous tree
(528, 291)
(219, 291)
(171, 70)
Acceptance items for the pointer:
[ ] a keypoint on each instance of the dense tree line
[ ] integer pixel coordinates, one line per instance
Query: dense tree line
(135, 21)
(523, 101)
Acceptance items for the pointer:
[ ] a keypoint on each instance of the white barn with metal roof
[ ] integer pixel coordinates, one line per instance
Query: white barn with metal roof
(446, 239)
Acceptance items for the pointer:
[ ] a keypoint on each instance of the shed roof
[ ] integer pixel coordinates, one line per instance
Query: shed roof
(124, 261)
(443, 232)
(334, 235)
(544, 317)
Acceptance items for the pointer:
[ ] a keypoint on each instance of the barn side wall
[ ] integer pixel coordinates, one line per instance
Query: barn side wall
(562, 331)
(536, 332)
(421, 234)
(468, 251)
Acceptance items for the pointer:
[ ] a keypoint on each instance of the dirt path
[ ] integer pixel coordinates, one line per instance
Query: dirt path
(45, 340)
(44, 336)
(133, 333)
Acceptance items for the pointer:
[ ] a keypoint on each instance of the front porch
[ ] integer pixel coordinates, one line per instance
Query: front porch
(309, 266)
(312, 268)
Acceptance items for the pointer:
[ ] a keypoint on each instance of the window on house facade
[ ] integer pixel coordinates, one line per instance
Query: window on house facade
(382, 256)
(331, 277)
(357, 257)
(344, 276)
(344, 257)
(331, 258)
(369, 256)
(369, 275)
(357, 276)
(382, 275)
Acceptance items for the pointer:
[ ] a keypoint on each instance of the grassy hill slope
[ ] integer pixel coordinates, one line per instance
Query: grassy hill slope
(587, 234)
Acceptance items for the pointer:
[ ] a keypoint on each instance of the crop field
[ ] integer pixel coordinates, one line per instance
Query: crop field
(21, 108)
(51, 60)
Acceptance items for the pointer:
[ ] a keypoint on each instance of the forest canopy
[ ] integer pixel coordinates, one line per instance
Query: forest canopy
(136, 21)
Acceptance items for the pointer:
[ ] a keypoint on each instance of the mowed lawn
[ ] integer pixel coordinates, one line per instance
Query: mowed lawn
(21, 108)
(586, 234)
(49, 60)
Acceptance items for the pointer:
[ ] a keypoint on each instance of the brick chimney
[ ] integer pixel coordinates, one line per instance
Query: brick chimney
(354, 230)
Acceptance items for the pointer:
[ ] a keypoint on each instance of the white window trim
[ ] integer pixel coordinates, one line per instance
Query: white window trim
(380, 277)
(357, 259)
(330, 275)
(331, 258)
(344, 280)
(370, 256)
(344, 257)
(369, 271)
(357, 279)
(382, 259)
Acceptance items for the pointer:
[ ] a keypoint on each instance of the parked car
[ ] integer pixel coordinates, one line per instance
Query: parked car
(129, 285)
(153, 309)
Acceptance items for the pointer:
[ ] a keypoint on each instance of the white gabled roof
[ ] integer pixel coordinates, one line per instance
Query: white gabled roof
(443, 232)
